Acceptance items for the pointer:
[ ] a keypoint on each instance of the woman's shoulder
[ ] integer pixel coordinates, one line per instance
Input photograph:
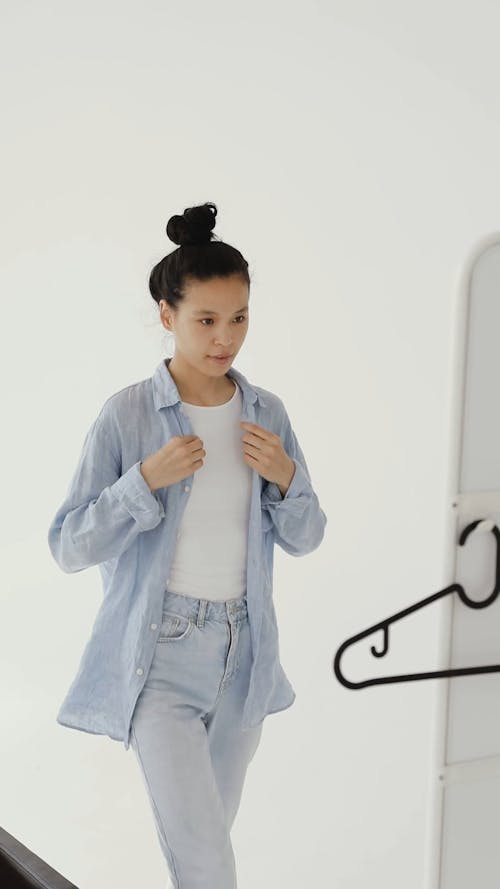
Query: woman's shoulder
(131, 404)
(270, 409)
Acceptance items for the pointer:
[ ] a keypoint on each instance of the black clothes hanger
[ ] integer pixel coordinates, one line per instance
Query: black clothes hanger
(384, 624)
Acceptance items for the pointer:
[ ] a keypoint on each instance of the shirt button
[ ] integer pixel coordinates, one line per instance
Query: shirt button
(186, 487)
(153, 626)
(179, 534)
(139, 671)
(168, 579)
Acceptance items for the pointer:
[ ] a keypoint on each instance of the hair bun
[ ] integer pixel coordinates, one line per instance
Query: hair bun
(209, 257)
(194, 227)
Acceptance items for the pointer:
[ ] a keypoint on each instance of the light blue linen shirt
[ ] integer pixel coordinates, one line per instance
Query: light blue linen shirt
(112, 519)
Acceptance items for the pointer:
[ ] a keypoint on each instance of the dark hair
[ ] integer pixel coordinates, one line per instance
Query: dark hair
(200, 255)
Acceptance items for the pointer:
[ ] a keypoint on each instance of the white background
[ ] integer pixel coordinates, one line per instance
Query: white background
(352, 152)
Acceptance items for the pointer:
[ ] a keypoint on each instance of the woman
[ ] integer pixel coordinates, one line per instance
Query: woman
(185, 482)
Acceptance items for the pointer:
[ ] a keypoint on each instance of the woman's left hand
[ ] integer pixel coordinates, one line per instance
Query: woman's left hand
(264, 452)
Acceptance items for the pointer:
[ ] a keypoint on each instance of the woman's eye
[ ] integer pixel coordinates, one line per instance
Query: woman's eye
(211, 319)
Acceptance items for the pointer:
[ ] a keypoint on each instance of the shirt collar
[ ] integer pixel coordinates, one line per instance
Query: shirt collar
(165, 392)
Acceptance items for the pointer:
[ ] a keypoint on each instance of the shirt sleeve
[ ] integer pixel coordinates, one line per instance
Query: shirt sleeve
(297, 518)
(103, 511)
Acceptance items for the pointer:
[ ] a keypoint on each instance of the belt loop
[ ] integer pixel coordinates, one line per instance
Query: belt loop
(200, 620)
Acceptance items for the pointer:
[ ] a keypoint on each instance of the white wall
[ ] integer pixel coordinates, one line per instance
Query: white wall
(352, 151)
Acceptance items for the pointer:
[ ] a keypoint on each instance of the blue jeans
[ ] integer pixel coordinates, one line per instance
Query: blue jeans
(186, 733)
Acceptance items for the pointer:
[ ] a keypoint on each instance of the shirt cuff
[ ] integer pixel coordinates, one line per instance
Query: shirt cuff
(134, 493)
(297, 486)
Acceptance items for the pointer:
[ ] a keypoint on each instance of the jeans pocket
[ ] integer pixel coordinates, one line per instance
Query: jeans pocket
(175, 627)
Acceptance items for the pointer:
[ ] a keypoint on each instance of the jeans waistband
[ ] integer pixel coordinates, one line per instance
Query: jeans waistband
(206, 609)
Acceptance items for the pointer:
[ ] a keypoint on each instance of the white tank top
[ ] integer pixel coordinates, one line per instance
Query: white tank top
(210, 557)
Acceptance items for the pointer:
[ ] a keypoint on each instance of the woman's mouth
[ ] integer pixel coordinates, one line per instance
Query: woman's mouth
(221, 359)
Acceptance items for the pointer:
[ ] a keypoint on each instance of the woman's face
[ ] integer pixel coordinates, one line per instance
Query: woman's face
(212, 319)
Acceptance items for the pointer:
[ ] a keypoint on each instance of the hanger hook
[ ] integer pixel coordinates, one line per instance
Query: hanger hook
(386, 643)
(487, 525)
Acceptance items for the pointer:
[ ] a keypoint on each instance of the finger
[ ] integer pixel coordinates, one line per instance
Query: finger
(254, 429)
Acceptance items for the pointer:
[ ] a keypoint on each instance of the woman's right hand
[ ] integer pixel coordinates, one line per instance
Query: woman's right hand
(179, 457)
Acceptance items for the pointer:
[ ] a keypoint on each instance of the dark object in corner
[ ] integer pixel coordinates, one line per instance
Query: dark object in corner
(20, 868)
